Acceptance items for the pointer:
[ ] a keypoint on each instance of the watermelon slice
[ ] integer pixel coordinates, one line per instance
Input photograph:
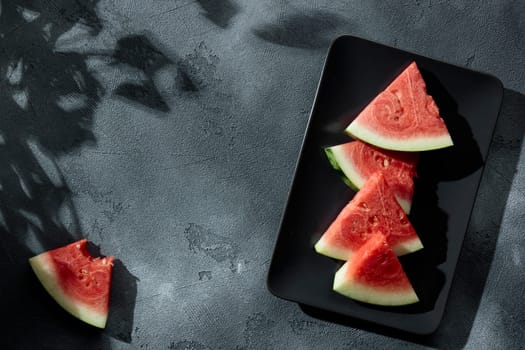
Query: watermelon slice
(77, 281)
(403, 117)
(373, 208)
(357, 161)
(374, 275)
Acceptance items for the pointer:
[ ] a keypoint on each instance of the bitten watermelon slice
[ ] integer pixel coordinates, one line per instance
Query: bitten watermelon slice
(77, 281)
(374, 275)
(358, 161)
(403, 117)
(373, 208)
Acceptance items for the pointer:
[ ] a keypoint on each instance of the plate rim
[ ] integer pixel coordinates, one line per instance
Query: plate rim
(500, 90)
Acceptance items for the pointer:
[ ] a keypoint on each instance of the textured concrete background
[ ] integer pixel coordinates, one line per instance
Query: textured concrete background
(167, 131)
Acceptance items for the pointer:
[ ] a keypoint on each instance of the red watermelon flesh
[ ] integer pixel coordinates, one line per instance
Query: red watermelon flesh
(373, 208)
(374, 275)
(403, 117)
(77, 281)
(358, 161)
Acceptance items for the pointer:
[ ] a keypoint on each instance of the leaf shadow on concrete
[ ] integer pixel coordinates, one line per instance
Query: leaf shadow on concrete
(220, 12)
(306, 30)
(47, 100)
(138, 52)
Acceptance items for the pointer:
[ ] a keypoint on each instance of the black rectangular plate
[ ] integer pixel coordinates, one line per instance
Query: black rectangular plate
(355, 71)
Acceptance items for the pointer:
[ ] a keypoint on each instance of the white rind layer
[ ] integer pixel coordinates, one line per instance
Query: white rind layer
(406, 205)
(408, 247)
(46, 273)
(322, 247)
(415, 144)
(371, 295)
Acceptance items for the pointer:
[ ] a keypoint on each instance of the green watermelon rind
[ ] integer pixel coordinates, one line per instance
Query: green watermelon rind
(415, 144)
(368, 294)
(350, 176)
(46, 274)
(334, 162)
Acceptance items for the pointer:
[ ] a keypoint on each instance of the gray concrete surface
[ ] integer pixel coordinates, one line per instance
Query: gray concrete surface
(166, 132)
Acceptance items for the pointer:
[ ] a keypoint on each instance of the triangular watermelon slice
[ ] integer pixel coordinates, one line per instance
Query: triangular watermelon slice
(374, 275)
(373, 208)
(77, 281)
(403, 117)
(357, 161)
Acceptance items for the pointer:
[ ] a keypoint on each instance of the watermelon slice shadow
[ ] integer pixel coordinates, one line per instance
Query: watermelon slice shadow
(430, 221)
(431, 224)
(464, 157)
(122, 299)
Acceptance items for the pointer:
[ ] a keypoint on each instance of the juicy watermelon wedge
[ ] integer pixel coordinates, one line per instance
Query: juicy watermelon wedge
(403, 117)
(357, 161)
(374, 275)
(373, 208)
(77, 281)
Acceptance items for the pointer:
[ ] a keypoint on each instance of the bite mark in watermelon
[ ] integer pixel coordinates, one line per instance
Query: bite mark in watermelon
(403, 117)
(77, 281)
(373, 208)
(357, 161)
(374, 275)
